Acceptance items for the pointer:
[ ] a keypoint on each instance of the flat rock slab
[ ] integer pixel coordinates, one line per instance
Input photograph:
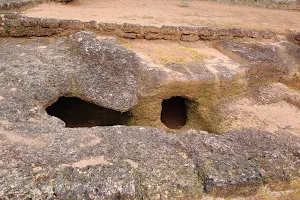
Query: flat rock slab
(186, 61)
(263, 61)
(138, 162)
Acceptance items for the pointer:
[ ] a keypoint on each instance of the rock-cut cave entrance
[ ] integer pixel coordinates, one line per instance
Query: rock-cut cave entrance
(76, 112)
(174, 112)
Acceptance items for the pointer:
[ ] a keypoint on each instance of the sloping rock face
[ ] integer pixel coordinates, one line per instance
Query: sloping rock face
(265, 61)
(41, 159)
(111, 68)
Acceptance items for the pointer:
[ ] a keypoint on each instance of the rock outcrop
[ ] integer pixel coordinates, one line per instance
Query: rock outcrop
(42, 159)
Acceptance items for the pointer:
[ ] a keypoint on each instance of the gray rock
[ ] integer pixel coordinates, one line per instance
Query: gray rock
(111, 70)
(264, 62)
(138, 162)
(33, 80)
(41, 159)
(63, 1)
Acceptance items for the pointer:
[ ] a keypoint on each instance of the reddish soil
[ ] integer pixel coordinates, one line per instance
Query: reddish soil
(171, 12)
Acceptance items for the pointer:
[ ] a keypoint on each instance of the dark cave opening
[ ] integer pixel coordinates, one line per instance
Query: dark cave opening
(76, 112)
(174, 112)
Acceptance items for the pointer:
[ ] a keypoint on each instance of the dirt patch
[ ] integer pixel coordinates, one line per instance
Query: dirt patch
(133, 164)
(99, 160)
(162, 51)
(245, 113)
(165, 12)
(17, 138)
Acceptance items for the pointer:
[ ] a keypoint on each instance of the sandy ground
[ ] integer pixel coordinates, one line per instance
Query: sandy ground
(269, 117)
(171, 12)
(164, 51)
(160, 53)
(270, 111)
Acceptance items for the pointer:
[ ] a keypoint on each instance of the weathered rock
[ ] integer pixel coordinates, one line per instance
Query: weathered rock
(17, 4)
(137, 162)
(264, 61)
(251, 53)
(46, 23)
(297, 37)
(40, 158)
(189, 37)
(241, 161)
(63, 1)
(91, 72)
(18, 25)
(100, 72)
(207, 33)
(109, 28)
(118, 67)
(293, 50)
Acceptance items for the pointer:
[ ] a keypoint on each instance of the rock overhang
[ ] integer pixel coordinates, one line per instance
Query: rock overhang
(97, 71)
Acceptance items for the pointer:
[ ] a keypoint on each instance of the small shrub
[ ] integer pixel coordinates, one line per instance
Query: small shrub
(184, 2)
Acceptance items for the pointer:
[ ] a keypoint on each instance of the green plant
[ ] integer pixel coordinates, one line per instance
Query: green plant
(7, 31)
(184, 2)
